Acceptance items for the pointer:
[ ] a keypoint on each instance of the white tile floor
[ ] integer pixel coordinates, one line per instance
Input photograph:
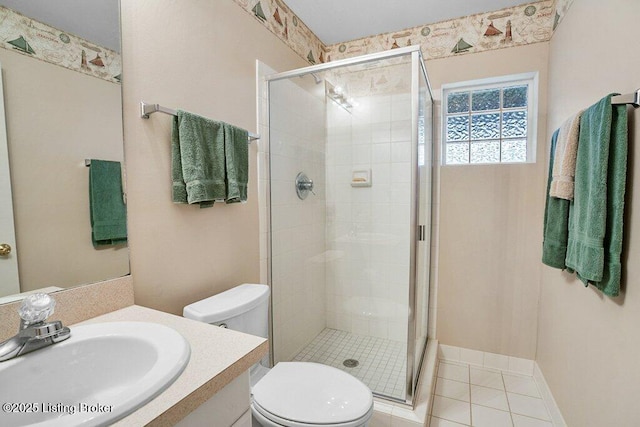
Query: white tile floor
(466, 395)
(382, 363)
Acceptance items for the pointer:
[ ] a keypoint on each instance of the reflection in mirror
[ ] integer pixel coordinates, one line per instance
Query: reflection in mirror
(61, 72)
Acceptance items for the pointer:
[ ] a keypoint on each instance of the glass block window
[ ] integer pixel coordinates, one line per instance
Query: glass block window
(490, 121)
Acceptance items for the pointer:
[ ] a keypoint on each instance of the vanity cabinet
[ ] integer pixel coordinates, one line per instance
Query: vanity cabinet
(227, 408)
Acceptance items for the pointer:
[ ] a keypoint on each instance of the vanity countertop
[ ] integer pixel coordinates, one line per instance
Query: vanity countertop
(218, 356)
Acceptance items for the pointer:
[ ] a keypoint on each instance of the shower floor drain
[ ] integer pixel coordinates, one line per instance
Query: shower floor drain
(351, 363)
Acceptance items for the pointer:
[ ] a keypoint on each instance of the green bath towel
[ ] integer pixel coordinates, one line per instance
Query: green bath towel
(556, 219)
(108, 213)
(596, 216)
(209, 161)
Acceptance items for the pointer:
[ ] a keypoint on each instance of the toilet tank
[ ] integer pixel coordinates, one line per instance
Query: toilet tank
(244, 308)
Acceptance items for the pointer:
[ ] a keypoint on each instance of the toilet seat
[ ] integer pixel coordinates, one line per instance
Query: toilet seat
(271, 420)
(304, 394)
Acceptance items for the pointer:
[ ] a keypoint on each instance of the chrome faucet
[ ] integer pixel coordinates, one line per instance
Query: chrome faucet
(34, 332)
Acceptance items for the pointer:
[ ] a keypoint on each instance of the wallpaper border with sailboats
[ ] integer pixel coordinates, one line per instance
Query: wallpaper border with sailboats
(514, 26)
(534, 22)
(276, 16)
(24, 35)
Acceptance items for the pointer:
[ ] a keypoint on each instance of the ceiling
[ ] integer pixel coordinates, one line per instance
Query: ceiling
(97, 21)
(335, 21)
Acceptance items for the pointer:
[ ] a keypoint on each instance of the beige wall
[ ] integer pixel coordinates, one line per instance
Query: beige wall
(197, 55)
(490, 219)
(588, 344)
(55, 119)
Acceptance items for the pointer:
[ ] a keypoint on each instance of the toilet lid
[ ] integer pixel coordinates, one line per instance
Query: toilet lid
(312, 393)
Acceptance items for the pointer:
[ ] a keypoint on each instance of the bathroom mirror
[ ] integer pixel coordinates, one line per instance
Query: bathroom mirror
(61, 73)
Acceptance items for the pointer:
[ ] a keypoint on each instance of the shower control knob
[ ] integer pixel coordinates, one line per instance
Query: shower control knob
(304, 185)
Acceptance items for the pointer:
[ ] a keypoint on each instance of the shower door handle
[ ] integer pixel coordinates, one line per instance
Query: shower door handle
(421, 233)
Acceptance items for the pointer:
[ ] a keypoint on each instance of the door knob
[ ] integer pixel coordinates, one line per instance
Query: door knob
(5, 249)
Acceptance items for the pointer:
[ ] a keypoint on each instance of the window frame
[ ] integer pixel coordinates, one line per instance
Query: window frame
(530, 79)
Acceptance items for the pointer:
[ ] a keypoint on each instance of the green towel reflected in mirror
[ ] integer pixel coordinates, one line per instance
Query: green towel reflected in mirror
(106, 203)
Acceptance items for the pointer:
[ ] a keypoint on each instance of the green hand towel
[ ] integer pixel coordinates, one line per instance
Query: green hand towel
(209, 160)
(236, 147)
(556, 219)
(596, 216)
(108, 213)
(616, 186)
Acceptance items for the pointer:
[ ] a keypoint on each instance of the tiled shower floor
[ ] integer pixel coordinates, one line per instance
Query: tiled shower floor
(382, 362)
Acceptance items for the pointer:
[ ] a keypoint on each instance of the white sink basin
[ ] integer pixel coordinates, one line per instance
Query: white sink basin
(102, 373)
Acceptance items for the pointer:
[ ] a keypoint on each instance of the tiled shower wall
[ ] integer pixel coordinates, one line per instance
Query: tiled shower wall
(297, 144)
(368, 227)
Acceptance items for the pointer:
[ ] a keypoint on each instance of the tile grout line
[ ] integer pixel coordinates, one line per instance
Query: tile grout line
(504, 383)
(484, 406)
(470, 398)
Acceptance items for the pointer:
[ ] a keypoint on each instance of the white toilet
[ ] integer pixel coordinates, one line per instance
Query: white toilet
(293, 394)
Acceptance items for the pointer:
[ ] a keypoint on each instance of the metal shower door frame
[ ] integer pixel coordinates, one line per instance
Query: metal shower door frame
(417, 66)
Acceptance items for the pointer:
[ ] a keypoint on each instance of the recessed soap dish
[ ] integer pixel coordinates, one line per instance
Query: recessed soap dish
(361, 178)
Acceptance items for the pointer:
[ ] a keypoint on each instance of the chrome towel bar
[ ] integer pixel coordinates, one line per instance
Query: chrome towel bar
(148, 109)
(630, 98)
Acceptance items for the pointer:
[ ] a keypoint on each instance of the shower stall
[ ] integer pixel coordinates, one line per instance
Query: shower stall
(348, 205)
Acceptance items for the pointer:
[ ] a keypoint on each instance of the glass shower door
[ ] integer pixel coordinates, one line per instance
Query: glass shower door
(424, 127)
(344, 259)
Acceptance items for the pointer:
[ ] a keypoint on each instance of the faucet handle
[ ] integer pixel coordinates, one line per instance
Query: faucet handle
(36, 308)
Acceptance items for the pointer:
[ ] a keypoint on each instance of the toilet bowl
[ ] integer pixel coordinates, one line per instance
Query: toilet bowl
(292, 394)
